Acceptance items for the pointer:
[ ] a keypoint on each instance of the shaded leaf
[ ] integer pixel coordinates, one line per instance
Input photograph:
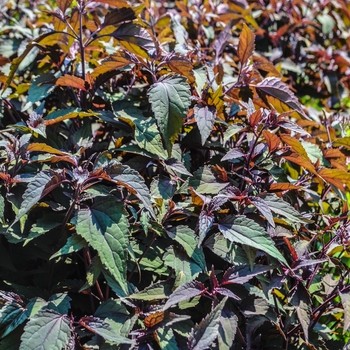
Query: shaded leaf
(42, 184)
(205, 222)
(170, 99)
(160, 290)
(301, 300)
(227, 329)
(117, 16)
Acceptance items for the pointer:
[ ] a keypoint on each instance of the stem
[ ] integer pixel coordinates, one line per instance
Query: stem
(82, 54)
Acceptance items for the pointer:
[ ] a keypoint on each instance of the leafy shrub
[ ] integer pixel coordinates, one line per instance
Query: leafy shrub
(163, 186)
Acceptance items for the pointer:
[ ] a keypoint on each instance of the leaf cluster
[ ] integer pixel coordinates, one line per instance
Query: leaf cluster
(174, 175)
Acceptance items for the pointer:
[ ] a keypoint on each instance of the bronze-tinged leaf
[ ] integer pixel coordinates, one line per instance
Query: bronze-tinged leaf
(344, 141)
(71, 81)
(43, 147)
(116, 61)
(114, 3)
(272, 140)
(337, 178)
(153, 319)
(300, 160)
(276, 88)
(246, 44)
(333, 153)
(283, 186)
(182, 66)
(3, 60)
(255, 118)
(295, 144)
(63, 5)
(264, 64)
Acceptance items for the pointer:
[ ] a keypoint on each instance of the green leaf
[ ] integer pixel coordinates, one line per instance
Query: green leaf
(189, 241)
(185, 269)
(205, 118)
(170, 100)
(204, 182)
(242, 230)
(92, 273)
(59, 302)
(160, 290)
(226, 250)
(42, 184)
(41, 87)
(204, 334)
(231, 131)
(167, 339)
(279, 206)
(47, 330)
(12, 315)
(104, 330)
(105, 226)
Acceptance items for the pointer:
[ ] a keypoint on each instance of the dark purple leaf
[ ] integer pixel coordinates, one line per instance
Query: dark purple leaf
(264, 209)
(242, 274)
(227, 293)
(186, 291)
(205, 118)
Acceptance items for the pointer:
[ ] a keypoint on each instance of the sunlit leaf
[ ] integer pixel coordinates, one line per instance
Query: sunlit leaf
(338, 178)
(71, 81)
(281, 207)
(295, 144)
(135, 39)
(183, 66)
(343, 141)
(47, 330)
(300, 160)
(263, 208)
(275, 87)
(170, 99)
(64, 114)
(105, 227)
(272, 140)
(242, 230)
(186, 291)
(63, 5)
(245, 45)
(205, 118)
(203, 334)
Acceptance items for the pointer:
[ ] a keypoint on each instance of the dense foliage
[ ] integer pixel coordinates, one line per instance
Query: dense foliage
(174, 174)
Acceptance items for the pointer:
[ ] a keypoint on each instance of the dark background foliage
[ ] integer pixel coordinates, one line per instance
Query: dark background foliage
(174, 175)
